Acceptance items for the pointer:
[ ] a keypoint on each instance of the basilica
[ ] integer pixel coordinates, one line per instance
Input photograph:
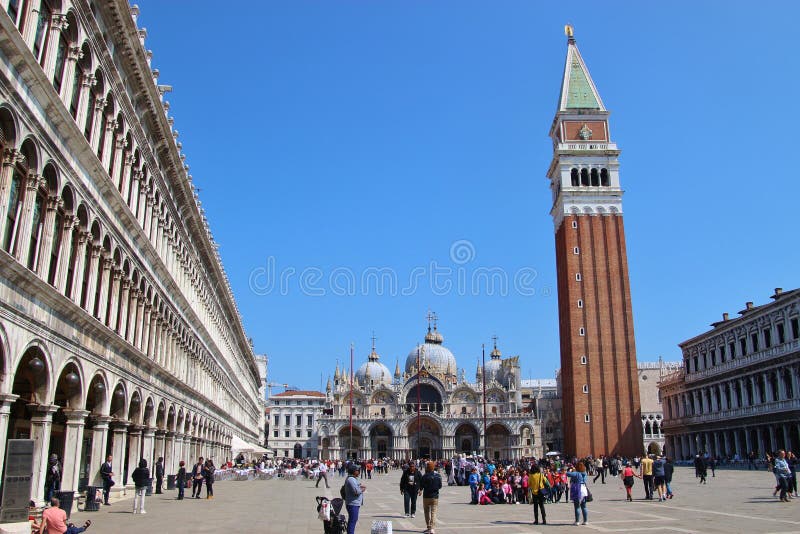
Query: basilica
(428, 408)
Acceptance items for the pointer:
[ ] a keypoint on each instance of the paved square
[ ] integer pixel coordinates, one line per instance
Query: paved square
(733, 502)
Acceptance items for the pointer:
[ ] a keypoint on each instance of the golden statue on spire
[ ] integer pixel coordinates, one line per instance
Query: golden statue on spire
(569, 31)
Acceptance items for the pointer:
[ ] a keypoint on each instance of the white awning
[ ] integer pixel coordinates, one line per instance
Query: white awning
(239, 445)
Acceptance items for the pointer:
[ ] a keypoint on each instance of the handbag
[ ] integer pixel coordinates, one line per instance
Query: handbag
(588, 495)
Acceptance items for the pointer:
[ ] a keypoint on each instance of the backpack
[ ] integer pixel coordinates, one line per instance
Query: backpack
(342, 490)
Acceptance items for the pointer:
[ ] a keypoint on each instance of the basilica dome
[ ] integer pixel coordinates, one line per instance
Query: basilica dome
(494, 366)
(372, 372)
(434, 356)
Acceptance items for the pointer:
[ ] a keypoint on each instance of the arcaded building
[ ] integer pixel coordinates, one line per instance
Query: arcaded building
(119, 333)
(428, 408)
(738, 390)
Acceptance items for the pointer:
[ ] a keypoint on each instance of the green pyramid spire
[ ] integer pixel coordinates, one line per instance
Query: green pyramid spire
(577, 88)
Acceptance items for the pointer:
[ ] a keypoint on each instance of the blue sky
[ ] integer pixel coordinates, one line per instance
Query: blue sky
(333, 141)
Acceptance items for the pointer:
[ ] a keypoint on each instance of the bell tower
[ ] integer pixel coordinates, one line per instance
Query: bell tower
(601, 409)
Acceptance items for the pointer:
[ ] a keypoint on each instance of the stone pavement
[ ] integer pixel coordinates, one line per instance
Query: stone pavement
(733, 502)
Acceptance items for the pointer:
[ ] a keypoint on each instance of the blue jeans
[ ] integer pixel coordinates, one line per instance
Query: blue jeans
(181, 489)
(474, 493)
(580, 507)
(352, 518)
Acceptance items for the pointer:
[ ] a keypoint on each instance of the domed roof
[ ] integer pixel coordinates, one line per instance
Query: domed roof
(434, 356)
(373, 372)
(494, 365)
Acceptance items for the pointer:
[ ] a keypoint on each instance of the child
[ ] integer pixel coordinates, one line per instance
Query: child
(507, 492)
(483, 497)
(180, 479)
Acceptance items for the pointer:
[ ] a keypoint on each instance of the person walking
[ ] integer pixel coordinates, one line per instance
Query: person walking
(197, 478)
(669, 469)
(409, 487)
(600, 472)
(537, 482)
(180, 479)
(627, 475)
(208, 475)
(659, 479)
(700, 469)
(646, 472)
(782, 474)
(430, 485)
(107, 474)
(52, 479)
(578, 492)
(159, 474)
(323, 473)
(141, 480)
(353, 497)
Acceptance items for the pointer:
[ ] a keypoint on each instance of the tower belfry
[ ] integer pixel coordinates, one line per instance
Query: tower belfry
(601, 407)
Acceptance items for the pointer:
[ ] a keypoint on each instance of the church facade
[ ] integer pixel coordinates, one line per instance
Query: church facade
(428, 408)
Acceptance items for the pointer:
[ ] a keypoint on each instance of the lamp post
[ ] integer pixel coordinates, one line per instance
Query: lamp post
(419, 400)
(351, 396)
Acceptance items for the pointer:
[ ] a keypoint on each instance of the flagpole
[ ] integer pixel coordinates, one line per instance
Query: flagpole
(351, 395)
(483, 379)
(419, 399)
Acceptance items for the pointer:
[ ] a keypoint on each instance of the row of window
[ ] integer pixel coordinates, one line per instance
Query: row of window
(589, 177)
(276, 402)
(757, 341)
(298, 420)
(296, 433)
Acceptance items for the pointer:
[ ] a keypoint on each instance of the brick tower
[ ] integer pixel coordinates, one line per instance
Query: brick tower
(601, 411)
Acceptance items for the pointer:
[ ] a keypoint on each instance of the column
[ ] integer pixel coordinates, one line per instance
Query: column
(144, 338)
(91, 281)
(160, 450)
(23, 237)
(73, 443)
(57, 23)
(148, 446)
(141, 205)
(98, 453)
(102, 306)
(141, 320)
(108, 144)
(738, 445)
(87, 81)
(6, 400)
(118, 451)
(726, 443)
(10, 158)
(64, 253)
(134, 451)
(748, 442)
(125, 176)
(120, 143)
(77, 271)
(716, 445)
(133, 200)
(113, 304)
(773, 445)
(46, 242)
(170, 456)
(147, 223)
(133, 307)
(179, 452)
(97, 123)
(41, 424)
(74, 53)
(787, 445)
(123, 308)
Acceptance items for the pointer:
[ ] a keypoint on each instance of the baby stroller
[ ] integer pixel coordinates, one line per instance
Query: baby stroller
(332, 510)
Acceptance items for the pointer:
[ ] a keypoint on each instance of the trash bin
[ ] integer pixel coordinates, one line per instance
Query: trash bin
(171, 482)
(91, 504)
(65, 499)
(149, 487)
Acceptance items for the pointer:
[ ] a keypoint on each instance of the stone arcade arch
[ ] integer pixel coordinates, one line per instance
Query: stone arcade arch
(424, 438)
(350, 446)
(467, 438)
(497, 442)
(381, 440)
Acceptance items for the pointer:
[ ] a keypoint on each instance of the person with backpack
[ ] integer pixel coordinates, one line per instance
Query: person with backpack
(537, 482)
(180, 479)
(141, 479)
(409, 487)
(353, 494)
(430, 485)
